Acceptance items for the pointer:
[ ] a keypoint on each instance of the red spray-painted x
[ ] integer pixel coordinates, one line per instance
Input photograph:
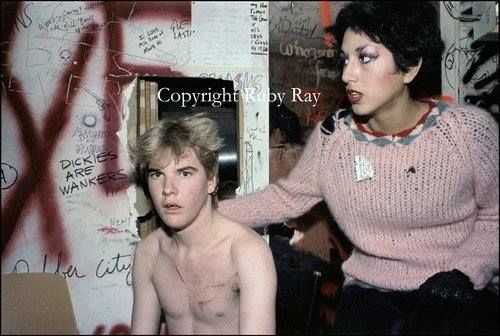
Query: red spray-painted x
(36, 182)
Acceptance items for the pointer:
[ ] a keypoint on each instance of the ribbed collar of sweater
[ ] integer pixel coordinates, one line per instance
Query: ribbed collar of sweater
(404, 137)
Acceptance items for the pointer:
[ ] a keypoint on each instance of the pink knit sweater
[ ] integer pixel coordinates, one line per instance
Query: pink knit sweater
(429, 204)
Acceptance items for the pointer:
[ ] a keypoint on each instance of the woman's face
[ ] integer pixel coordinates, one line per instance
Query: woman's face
(373, 83)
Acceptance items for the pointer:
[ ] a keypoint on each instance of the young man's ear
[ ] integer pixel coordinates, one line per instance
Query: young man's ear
(412, 72)
(212, 184)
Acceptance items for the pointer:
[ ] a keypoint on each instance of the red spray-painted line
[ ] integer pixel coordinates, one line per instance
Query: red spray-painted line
(39, 149)
(124, 73)
(326, 21)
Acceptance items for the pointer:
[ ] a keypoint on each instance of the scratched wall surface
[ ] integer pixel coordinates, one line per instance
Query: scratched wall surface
(68, 74)
(301, 59)
(470, 63)
(301, 56)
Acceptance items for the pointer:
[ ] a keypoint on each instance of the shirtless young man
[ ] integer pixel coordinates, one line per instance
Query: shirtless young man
(209, 274)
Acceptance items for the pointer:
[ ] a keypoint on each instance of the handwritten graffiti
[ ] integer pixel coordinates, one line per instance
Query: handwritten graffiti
(115, 265)
(248, 185)
(118, 264)
(242, 81)
(22, 19)
(486, 50)
(305, 61)
(90, 135)
(116, 225)
(89, 181)
(471, 62)
(22, 266)
(83, 167)
(39, 147)
(259, 43)
(296, 50)
(9, 176)
(180, 29)
(300, 26)
(151, 39)
(122, 73)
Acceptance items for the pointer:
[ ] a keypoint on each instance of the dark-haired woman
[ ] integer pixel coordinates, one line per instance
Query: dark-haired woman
(412, 182)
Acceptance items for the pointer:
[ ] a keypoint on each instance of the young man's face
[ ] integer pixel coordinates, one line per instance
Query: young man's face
(180, 190)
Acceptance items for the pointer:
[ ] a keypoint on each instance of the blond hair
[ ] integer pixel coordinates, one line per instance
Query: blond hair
(169, 138)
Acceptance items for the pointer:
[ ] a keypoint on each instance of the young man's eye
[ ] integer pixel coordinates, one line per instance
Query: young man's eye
(185, 173)
(154, 174)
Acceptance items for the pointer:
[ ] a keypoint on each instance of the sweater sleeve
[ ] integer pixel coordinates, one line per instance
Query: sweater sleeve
(288, 198)
(477, 257)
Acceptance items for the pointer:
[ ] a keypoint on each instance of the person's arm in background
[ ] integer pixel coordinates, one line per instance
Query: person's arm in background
(146, 308)
(285, 199)
(257, 285)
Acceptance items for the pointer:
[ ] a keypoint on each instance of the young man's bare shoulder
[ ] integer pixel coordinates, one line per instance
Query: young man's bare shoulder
(154, 244)
(244, 239)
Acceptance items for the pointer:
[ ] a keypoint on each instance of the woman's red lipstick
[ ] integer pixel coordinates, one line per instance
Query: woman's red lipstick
(354, 96)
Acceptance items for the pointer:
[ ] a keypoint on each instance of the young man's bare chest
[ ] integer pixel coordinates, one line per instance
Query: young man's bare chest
(203, 290)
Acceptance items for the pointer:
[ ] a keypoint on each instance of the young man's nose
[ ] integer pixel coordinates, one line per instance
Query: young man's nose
(169, 188)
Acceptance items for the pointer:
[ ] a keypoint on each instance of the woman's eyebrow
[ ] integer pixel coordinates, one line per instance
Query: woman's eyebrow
(358, 50)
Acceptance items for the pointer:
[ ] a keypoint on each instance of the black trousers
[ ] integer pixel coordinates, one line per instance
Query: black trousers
(369, 311)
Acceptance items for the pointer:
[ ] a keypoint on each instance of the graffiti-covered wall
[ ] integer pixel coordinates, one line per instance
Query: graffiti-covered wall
(69, 72)
(68, 76)
(302, 57)
(470, 63)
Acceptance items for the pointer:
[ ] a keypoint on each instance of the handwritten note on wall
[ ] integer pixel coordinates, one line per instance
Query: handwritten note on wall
(221, 34)
(259, 28)
(167, 42)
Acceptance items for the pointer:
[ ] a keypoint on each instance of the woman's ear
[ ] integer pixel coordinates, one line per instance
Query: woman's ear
(412, 72)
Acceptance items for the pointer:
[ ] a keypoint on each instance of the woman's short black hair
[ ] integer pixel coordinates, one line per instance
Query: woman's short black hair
(409, 30)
